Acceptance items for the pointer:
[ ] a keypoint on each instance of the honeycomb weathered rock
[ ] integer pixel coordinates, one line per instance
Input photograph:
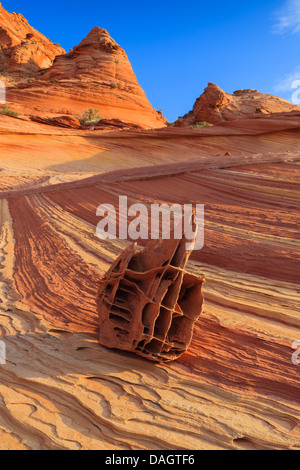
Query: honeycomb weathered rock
(148, 303)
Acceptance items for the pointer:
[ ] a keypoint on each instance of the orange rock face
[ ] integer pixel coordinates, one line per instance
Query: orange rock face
(215, 105)
(23, 50)
(95, 74)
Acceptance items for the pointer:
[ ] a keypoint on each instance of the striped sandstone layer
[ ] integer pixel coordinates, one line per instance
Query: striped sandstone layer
(236, 387)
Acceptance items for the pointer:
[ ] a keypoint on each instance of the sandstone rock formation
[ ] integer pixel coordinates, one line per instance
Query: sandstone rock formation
(69, 122)
(215, 105)
(94, 74)
(236, 386)
(116, 124)
(72, 122)
(148, 303)
(23, 50)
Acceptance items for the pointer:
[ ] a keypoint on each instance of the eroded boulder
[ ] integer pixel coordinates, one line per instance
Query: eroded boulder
(148, 303)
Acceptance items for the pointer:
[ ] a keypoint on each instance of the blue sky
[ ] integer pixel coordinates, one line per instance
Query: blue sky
(177, 47)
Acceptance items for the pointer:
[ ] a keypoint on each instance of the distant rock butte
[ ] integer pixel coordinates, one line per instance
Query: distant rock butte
(23, 50)
(95, 74)
(148, 304)
(215, 105)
